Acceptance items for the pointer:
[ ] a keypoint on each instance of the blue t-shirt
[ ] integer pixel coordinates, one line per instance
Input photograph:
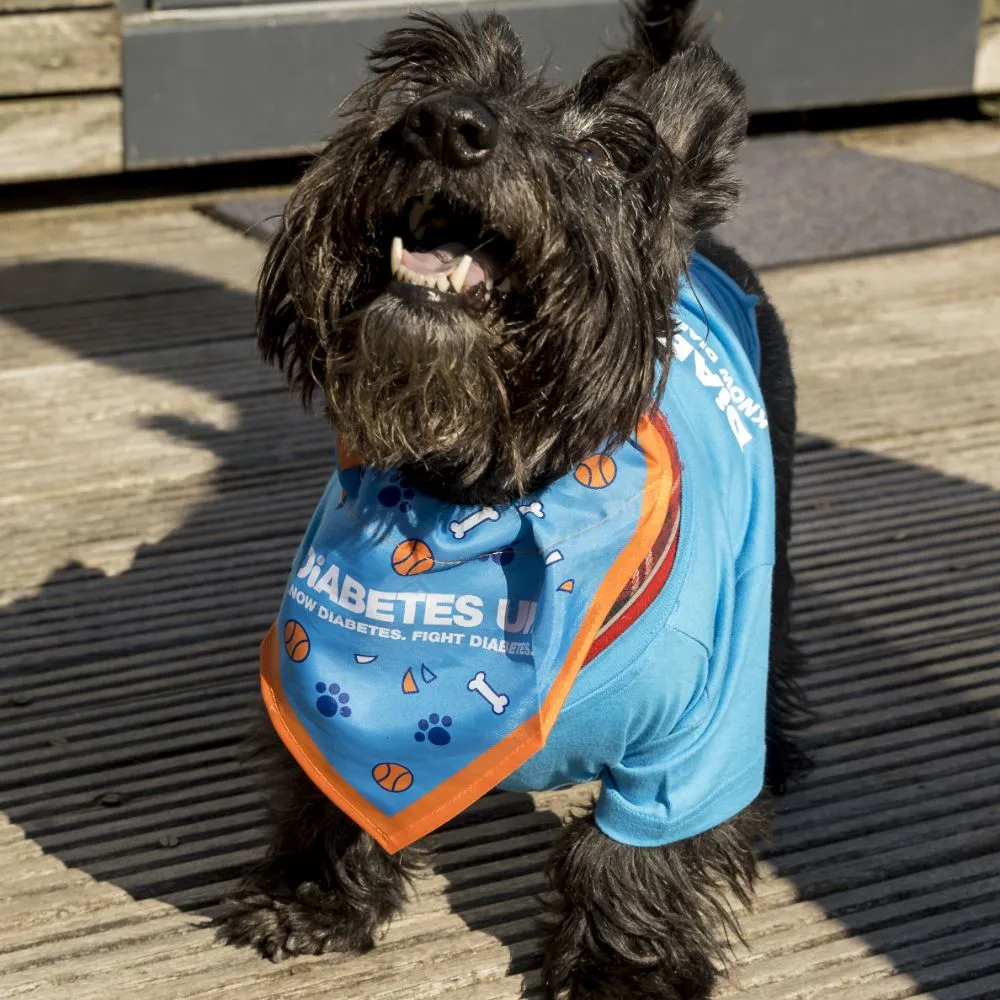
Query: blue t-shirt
(425, 652)
(670, 717)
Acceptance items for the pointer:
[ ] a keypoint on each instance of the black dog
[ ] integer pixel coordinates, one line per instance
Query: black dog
(564, 222)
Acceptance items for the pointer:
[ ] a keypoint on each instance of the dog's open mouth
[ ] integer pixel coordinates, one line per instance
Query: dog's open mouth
(449, 254)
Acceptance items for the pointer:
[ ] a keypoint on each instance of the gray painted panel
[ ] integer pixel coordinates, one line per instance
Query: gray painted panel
(216, 88)
(812, 53)
(220, 84)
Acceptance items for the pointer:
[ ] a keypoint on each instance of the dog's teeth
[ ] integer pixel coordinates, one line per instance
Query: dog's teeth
(504, 286)
(416, 214)
(396, 254)
(442, 284)
(460, 273)
(489, 284)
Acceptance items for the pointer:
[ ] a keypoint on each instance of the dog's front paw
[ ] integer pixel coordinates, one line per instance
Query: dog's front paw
(585, 962)
(310, 922)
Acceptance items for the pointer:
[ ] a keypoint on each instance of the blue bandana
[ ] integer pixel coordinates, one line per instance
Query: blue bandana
(423, 650)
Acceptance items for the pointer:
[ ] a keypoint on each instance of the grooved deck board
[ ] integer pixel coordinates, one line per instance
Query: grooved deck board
(157, 476)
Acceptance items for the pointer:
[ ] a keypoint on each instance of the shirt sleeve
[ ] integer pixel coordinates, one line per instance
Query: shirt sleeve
(689, 774)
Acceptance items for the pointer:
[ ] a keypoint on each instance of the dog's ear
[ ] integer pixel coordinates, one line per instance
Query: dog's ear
(698, 104)
(662, 28)
(695, 100)
(283, 338)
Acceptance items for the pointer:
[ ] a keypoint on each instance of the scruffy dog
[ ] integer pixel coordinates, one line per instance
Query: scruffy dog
(555, 546)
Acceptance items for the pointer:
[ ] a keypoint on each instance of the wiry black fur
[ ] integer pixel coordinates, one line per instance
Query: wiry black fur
(603, 190)
(646, 923)
(325, 884)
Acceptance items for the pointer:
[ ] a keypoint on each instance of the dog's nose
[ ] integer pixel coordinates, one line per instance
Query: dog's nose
(456, 129)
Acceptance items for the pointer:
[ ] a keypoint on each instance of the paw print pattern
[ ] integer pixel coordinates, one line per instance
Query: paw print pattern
(332, 701)
(398, 494)
(434, 729)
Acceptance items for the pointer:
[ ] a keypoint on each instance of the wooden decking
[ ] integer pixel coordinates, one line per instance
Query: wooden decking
(155, 478)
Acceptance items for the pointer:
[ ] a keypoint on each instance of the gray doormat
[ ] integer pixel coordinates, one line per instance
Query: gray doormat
(808, 199)
(805, 199)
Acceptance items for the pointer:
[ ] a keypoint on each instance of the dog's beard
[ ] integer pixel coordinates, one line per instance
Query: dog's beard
(420, 385)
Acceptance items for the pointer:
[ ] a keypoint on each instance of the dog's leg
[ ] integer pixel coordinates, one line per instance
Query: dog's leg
(638, 923)
(325, 885)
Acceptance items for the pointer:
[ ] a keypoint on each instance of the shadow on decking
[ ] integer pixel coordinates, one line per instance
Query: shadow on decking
(123, 699)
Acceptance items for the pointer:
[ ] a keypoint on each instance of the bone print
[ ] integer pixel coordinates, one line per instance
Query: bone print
(498, 701)
(461, 528)
(535, 507)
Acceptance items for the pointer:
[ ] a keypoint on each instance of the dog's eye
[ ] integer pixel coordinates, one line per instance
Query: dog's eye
(593, 153)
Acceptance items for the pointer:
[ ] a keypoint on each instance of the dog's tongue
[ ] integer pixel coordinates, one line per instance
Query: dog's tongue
(444, 259)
